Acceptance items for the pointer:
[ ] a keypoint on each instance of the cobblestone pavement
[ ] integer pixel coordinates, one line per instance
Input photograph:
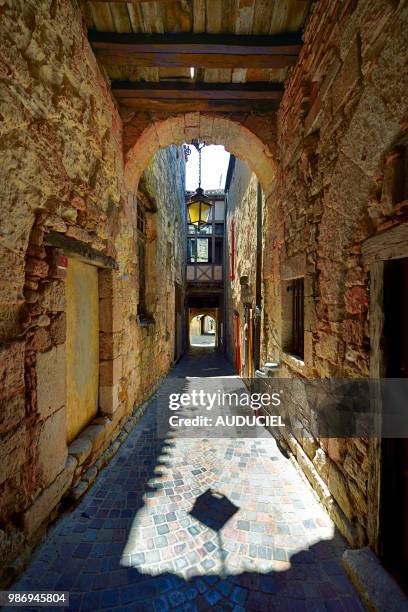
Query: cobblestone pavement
(193, 524)
(203, 340)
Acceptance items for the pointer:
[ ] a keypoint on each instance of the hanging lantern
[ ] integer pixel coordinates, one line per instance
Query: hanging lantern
(198, 205)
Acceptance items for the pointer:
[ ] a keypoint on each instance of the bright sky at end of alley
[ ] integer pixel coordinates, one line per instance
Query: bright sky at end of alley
(214, 165)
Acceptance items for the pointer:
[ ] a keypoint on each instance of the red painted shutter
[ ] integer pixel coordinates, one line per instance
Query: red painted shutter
(232, 262)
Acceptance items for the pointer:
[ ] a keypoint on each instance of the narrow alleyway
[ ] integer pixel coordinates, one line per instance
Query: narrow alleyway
(202, 340)
(194, 524)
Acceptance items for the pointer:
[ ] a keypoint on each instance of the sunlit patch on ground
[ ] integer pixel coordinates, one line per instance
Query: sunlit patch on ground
(189, 524)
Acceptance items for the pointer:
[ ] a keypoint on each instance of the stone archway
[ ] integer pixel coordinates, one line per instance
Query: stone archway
(209, 312)
(250, 139)
(203, 312)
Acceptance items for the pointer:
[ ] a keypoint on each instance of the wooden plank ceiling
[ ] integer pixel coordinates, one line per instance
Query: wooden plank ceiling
(241, 51)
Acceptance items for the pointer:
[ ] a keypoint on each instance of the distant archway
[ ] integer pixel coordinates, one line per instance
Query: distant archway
(198, 326)
(251, 140)
(203, 331)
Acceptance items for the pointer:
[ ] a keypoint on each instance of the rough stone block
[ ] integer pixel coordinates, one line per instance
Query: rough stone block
(52, 296)
(109, 399)
(309, 470)
(338, 488)
(110, 316)
(351, 530)
(52, 447)
(90, 474)
(191, 133)
(58, 328)
(56, 223)
(348, 76)
(359, 501)
(36, 251)
(105, 283)
(36, 236)
(12, 370)
(12, 412)
(40, 340)
(80, 449)
(110, 345)
(206, 127)
(192, 119)
(373, 130)
(164, 133)
(356, 300)
(321, 463)
(308, 358)
(13, 452)
(356, 470)
(49, 498)
(353, 331)
(336, 449)
(110, 371)
(78, 233)
(328, 346)
(51, 381)
(308, 443)
(79, 490)
(36, 267)
(96, 434)
(377, 589)
(310, 314)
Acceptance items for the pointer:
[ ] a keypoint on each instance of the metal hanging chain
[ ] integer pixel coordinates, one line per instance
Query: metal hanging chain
(199, 148)
(199, 168)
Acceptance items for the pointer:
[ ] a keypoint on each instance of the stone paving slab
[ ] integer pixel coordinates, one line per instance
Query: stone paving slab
(193, 524)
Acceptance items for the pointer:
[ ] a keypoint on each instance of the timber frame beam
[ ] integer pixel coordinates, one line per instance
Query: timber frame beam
(198, 96)
(197, 50)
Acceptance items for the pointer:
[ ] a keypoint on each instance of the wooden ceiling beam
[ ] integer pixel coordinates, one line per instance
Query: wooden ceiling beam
(197, 90)
(129, 1)
(197, 50)
(180, 105)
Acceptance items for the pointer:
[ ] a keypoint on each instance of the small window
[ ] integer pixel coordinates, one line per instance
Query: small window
(293, 317)
(206, 230)
(218, 214)
(219, 251)
(198, 250)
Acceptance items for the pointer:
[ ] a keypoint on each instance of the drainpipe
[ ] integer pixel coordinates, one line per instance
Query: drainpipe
(258, 281)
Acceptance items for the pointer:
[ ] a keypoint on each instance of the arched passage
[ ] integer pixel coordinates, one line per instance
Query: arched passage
(242, 140)
(197, 326)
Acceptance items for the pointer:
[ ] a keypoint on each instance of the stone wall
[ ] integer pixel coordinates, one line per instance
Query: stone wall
(342, 116)
(164, 182)
(241, 211)
(63, 193)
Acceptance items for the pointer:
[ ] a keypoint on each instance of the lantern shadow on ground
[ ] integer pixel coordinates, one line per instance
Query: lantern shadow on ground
(213, 509)
(84, 553)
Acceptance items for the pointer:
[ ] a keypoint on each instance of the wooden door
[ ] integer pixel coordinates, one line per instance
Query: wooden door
(403, 372)
(82, 345)
(394, 486)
